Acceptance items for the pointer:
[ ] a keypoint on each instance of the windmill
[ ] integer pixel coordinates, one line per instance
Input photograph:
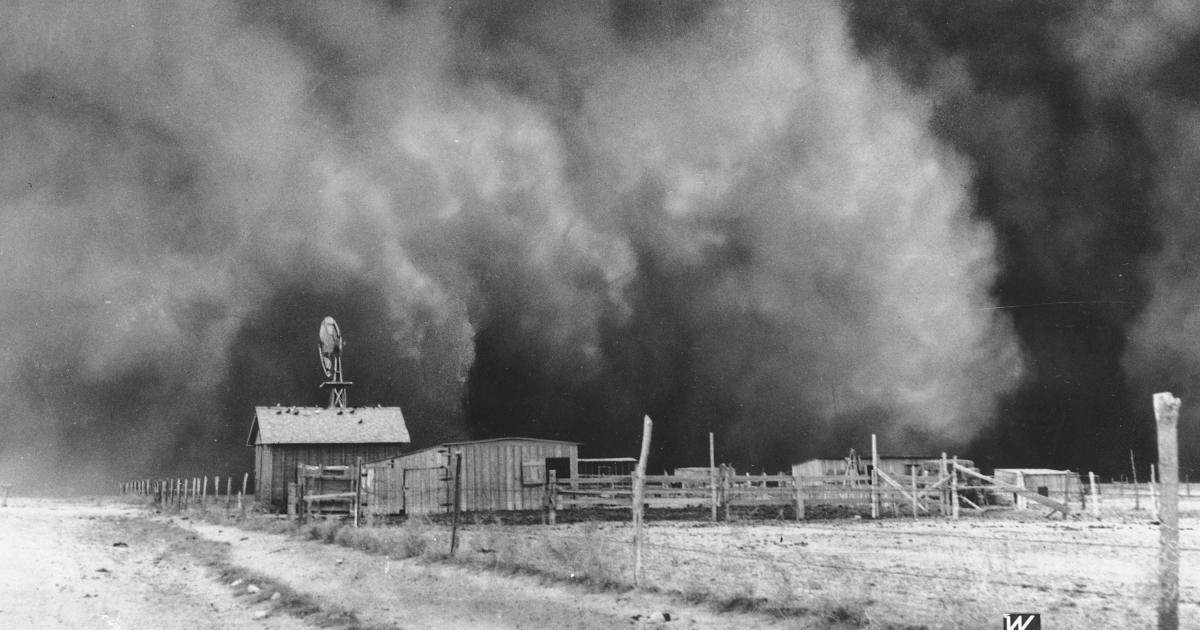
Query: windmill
(330, 349)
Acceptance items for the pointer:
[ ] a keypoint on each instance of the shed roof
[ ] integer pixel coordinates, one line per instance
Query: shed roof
(1035, 471)
(487, 441)
(319, 425)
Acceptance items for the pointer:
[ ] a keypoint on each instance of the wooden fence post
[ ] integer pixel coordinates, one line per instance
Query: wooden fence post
(874, 479)
(726, 483)
(457, 503)
(1154, 500)
(1095, 495)
(1166, 412)
(1137, 499)
(799, 488)
(639, 490)
(551, 491)
(913, 475)
(954, 489)
(944, 503)
(712, 474)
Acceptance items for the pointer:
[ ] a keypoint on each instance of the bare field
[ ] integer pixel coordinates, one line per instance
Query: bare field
(63, 571)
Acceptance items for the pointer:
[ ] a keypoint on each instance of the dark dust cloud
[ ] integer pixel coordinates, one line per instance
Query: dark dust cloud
(790, 224)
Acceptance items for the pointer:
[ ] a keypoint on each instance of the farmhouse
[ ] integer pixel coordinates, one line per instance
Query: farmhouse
(285, 437)
(497, 474)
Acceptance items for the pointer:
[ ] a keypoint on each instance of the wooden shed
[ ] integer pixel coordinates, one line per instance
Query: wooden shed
(285, 437)
(895, 465)
(1061, 485)
(606, 466)
(497, 474)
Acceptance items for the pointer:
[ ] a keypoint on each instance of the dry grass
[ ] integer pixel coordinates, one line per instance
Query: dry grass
(215, 556)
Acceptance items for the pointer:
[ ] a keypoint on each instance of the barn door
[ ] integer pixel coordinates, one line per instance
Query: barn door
(424, 490)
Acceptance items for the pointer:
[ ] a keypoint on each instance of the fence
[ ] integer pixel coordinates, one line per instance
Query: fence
(187, 492)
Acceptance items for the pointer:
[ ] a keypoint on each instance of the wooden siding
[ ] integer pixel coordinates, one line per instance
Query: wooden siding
(276, 464)
(422, 482)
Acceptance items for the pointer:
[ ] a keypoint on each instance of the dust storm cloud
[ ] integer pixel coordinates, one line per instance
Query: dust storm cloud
(529, 218)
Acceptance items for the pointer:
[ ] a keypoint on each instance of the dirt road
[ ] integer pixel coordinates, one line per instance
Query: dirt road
(71, 565)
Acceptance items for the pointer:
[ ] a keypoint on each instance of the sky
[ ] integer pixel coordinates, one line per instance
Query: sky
(962, 226)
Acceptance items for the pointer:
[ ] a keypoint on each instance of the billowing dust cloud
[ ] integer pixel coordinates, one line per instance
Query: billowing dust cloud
(539, 218)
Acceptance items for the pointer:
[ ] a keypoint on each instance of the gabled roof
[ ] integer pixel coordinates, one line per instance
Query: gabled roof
(318, 425)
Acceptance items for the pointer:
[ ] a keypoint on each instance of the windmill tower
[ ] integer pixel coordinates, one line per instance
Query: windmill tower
(330, 349)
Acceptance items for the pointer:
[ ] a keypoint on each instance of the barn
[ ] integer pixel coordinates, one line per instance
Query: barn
(285, 437)
(497, 474)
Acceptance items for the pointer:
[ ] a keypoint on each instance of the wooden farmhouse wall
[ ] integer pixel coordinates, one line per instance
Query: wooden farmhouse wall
(500, 474)
(275, 464)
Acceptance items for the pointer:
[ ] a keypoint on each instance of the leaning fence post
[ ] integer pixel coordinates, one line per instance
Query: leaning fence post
(1166, 412)
(639, 490)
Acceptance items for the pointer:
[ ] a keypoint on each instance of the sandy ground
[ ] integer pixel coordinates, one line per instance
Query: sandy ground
(61, 570)
(415, 594)
(934, 573)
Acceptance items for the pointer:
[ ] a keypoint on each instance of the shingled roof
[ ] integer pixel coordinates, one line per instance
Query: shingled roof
(318, 425)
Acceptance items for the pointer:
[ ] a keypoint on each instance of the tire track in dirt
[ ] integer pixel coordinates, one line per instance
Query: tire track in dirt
(62, 570)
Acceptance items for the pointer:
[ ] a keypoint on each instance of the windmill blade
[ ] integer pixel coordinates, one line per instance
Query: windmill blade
(331, 337)
(326, 361)
(330, 346)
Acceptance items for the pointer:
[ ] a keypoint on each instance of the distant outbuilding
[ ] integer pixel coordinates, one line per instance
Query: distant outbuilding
(285, 437)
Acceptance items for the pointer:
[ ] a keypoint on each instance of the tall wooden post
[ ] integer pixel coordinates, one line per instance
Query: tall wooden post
(1137, 499)
(725, 483)
(913, 474)
(874, 478)
(799, 487)
(358, 477)
(639, 491)
(1154, 491)
(457, 502)
(1166, 411)
(943, 490)
(712, 474)
(1095, 498)
(551, 490)
(954, 489)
